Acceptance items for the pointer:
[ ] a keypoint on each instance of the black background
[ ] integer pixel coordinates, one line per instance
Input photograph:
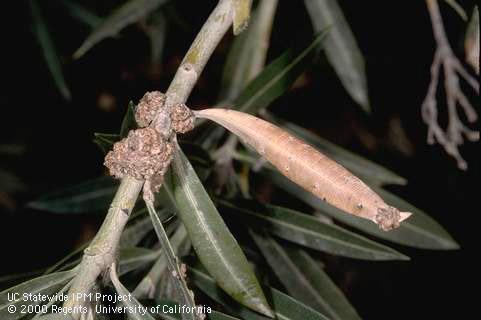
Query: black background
(396, 39)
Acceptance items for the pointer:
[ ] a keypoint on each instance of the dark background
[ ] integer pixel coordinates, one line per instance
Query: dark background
(396, 39)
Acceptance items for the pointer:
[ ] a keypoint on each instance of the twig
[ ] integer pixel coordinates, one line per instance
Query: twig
(444, 57)
(251, 61)
(101, 253)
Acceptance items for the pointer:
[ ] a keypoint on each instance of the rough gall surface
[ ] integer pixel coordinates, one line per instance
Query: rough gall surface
(388, 218)
(148, 107)
(143, 155)
(182, 118)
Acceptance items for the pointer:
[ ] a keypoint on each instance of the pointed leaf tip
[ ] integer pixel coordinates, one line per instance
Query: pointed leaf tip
(215, 246)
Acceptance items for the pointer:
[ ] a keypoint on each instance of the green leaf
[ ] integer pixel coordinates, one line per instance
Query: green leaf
(105, 141)
(171, 313)
(173, 265)
(457, 7)
(271, 83)
(8, 280)
(131, 258)
(199, 157)
(216, 315)
(157, 33)
(63, 262)
(12, 149)
(304, 279)
(10, 182)
(419, 231)
(131, 303)
(47, 284)
(147, 287)
(341, 48)
(134, 233)
(56, 316)
(309, 231)
(90, 196)
(128, 123)
(284, 306)
(361, 167)
(52, 302)
(216, 247)
(248, 52)
(276, 78)
(337, 304)
(128, 13)
(82, 14)
(48, 49)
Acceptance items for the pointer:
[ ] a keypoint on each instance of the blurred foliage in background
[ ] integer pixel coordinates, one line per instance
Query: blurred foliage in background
(353, 92)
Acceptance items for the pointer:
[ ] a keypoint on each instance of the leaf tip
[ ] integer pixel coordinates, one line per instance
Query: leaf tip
(79, 52)
(404, 216)
(261, 306)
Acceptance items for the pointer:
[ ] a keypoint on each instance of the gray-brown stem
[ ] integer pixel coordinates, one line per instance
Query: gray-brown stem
(100, 254)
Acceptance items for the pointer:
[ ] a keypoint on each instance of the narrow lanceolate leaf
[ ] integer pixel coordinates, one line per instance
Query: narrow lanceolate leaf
(157, 32)
(457, 7)
(216, 315)
(284, 306)
(471, 43)
(147, 287)
(48, 284)
(133, 234)
(55, 316)
(420, 231)
(336, 305)
(248, 52)
(304, 279)
(131, 303)
(341, 48)
(362, 167)
(307, 167)
(128, 123)
(82, 14)
(308, 231)
(276, 78)
(105, 141)
(217, 249)
(61, 292)
(89, 196)
(173, 264)
(48, 49)
(242, 13)
(132, 258)
(10, 182)
(130, 12)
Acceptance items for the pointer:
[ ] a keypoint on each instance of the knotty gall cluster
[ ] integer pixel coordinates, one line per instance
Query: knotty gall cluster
(148, 107)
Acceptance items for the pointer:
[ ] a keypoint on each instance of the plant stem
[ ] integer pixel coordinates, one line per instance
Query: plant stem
(100, 254)
(444, 58)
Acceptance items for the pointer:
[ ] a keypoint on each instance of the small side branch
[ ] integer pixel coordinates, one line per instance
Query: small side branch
(101, 253)
(444, 58)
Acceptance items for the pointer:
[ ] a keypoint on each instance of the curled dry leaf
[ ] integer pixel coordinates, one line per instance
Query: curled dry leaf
(307, 167)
